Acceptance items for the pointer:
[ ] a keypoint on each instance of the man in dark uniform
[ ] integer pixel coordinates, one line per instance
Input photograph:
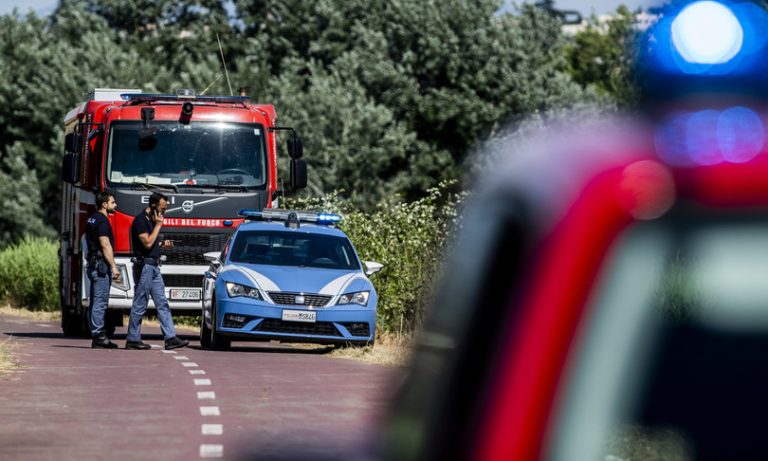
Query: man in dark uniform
(145, 232)
(101, 268)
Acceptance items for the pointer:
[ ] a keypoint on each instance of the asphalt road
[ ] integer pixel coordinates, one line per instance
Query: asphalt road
(70, 402)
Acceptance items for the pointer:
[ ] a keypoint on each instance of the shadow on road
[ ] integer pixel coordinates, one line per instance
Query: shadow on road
(273, 349)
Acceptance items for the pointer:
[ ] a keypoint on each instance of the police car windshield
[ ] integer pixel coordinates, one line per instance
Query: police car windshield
(198, 154)
(293, 249)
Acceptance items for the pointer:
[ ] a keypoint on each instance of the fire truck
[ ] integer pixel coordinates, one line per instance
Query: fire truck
(210, 155)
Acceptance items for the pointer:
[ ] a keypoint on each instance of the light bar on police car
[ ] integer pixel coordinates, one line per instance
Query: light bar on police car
(283, 215)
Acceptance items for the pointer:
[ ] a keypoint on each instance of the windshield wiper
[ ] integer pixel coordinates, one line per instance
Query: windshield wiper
(150, 186)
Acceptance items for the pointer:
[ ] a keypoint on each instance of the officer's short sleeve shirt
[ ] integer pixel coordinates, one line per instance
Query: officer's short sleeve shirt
(143, 224)
(98, 226)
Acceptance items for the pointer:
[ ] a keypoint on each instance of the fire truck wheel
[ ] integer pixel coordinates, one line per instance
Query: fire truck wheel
(112, 320)
(74, 325)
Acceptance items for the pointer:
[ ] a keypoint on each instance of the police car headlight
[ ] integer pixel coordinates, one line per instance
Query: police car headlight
(361, 297)
(234, 290)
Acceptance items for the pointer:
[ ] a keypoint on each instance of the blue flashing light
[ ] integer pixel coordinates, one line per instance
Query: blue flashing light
(709, 38)
(228, 222)
(710, 137)
(707, 32)
(328, 218)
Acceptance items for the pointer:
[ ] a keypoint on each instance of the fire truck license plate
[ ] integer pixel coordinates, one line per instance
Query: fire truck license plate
(185, 294)
(300, 316)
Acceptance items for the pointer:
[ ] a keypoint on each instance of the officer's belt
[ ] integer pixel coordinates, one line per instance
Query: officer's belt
(147, 261)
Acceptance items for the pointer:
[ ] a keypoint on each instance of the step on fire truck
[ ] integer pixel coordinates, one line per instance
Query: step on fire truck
(210, 155)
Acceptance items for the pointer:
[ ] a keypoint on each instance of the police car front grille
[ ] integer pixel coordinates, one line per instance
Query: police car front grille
(183, 280)
(297, 328)
(188, 249)
(289, 299)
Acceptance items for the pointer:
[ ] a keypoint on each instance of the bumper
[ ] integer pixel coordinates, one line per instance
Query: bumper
(263, 321)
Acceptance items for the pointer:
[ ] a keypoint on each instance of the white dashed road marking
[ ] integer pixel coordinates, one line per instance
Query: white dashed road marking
(155, 346)
(212, 429)
(211, 451)
(210, 411)
(206, 450)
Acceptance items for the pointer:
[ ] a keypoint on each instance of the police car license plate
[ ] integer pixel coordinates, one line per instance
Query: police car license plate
(185, 294)
(299, 316)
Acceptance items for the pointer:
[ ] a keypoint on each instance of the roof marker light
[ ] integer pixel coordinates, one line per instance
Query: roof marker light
(707, 32)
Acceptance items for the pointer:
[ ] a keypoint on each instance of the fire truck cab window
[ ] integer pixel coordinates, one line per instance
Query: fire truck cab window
(195, 154)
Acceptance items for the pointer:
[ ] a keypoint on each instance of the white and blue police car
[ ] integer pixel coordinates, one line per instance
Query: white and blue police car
(290, 276)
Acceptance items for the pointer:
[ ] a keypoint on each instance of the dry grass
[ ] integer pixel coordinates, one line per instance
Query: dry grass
(40, 316)
(7, 360)
(390, 349)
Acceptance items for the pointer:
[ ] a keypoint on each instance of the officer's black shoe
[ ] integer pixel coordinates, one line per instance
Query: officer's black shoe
(102, 342)
(139, 345)
(175, 343)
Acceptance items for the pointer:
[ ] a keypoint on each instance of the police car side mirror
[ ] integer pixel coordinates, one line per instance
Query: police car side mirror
(371, 267)
(213, 258)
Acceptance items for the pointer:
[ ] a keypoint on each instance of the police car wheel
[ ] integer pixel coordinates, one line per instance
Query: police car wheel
(218, 342)
(205, 333)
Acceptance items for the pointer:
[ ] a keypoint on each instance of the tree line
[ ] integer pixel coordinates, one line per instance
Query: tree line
(389, 96)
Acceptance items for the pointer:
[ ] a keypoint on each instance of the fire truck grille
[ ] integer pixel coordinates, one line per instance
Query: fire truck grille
(289, 299)
(297, 328)
(188, 249)
(183, 280)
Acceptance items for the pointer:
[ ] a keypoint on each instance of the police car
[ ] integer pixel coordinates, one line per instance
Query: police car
(290, 276)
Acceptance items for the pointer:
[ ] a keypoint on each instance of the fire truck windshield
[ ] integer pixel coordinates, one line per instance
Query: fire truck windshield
(198, 154)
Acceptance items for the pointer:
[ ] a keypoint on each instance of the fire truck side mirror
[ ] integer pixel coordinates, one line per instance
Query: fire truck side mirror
(73, 142)
(70, 168)
(298, 174)
(295, 147)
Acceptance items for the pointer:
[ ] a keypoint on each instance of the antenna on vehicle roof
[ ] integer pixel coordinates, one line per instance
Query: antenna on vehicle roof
(224, 63)
(209, 86)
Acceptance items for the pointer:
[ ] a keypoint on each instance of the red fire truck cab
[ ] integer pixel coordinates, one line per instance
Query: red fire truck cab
(210, 155)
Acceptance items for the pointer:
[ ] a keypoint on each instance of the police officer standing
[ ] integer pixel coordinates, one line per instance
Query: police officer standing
(145, 243)
(101, 267)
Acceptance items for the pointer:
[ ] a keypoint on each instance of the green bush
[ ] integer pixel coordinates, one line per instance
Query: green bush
(408, 238)
(29, 274)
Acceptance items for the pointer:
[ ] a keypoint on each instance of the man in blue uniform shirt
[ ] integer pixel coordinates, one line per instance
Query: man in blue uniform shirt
(145, 232)
(101, 268)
